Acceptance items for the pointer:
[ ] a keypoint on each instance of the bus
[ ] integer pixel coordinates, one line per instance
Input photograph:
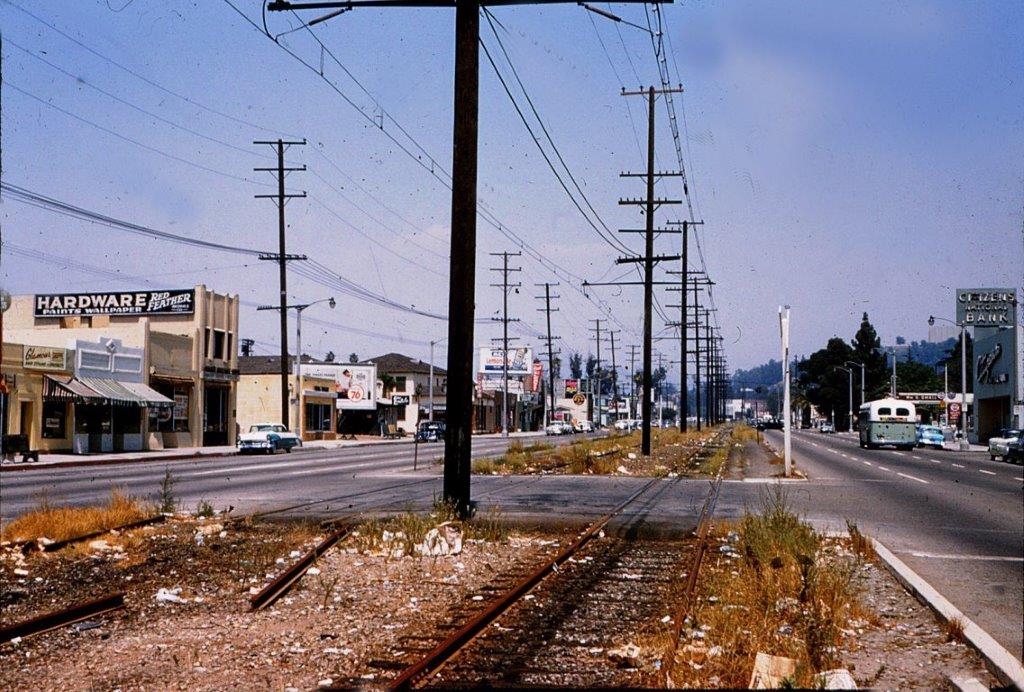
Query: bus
(887, 422)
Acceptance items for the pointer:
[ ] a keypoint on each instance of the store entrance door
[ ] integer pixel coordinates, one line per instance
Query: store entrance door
(215, 416)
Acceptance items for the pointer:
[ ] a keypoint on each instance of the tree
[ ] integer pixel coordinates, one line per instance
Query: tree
(867, 349)
(576, 365)
(912, 376)
(591, 365)
(329, 358)
(556, 366)
(353, 358)
(824, 384)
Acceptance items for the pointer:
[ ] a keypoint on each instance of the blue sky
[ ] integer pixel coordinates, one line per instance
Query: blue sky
(846, 157)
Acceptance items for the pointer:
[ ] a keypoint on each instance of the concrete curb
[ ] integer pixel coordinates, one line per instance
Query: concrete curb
(43, 466)
(1001, 662)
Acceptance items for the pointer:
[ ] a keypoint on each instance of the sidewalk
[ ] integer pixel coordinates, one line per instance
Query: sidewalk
(49, 461)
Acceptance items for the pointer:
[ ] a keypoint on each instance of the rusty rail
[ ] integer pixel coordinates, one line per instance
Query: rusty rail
(60, 618)
(32, 545)
(451, 646)
(703, 528)
(283, 582)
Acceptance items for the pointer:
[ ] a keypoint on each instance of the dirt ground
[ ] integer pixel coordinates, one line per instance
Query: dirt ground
(326, 628)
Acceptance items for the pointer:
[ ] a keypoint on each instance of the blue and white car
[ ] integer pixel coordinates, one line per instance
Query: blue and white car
(930, 436)
(268, 438)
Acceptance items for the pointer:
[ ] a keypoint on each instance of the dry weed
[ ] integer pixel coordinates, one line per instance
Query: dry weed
(62, 523)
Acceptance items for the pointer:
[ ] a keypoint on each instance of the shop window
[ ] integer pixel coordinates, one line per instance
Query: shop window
(318, 417)
(171, 418)
(55, 420)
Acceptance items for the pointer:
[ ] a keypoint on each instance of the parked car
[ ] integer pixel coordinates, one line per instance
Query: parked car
(621, 424)
(930, 436)
(430, 431)
(772, 424)
(998, 445)
(827, 428)
(268, 438)
(583, 426)
(1015, 452)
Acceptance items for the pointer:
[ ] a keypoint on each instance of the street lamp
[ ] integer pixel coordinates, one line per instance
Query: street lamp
(861, 366)
(298, 348)
(964, 444)
(430, 384)
(849, 412)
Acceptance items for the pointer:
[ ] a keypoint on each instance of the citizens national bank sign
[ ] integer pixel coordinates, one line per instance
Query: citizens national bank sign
(986, 307)
(174, 302)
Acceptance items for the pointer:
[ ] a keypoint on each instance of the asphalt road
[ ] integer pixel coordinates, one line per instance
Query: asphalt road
(955, 518)
(247, 483)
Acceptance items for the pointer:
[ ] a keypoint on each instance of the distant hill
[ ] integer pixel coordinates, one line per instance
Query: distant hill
(764, 375)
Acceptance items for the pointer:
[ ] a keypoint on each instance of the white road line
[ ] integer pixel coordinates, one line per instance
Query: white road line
(991, 473)
(883, 468)
(1018, 479)
(935, 461)
(950, 556)
(913, 478)
(867, 463)
(959, 466)
(846, 456)
(899, 454)
(914, 456)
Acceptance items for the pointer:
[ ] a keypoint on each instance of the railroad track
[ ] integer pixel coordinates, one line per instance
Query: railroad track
(551, 628)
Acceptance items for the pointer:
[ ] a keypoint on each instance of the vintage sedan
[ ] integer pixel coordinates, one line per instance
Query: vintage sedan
(999, 444)
(268, 438)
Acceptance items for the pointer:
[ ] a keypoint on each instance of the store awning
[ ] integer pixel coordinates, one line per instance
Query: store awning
(68, 389)
(97, 390)
(126, 393)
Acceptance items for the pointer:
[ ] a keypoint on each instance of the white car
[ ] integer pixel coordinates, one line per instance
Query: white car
(583, 426)
(999, 445)
(268, 438)
(621, 424)
(557, 428)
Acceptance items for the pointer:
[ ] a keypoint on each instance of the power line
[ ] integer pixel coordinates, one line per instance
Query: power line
(137, 75)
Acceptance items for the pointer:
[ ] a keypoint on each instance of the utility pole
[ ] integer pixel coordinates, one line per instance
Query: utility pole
(462, 263)
(648, 259)
(547, 310)
(786, 440)
(282, 258)
(632, 379)
(684, 389)
(504, 319)
(597, 372)
(615, 376)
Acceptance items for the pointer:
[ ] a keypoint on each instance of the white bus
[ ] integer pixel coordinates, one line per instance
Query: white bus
(887, 422)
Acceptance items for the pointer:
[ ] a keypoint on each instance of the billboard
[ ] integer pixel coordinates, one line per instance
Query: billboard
(520, 361)
(497, 384)
(356, 385)
(986, 307)
(175, 302)
(571, 388)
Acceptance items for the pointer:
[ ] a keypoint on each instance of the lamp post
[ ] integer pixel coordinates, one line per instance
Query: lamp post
(861, 366)
(964, 444)
(298, 348)
(849, 412)
(430, 384)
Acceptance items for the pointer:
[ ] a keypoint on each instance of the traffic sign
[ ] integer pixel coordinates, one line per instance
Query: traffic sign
(954, 411)
(579, 399)
(951, 395)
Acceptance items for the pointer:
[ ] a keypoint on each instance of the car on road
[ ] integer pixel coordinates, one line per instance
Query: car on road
(999, 444)
(430, 431)
(583, 426)
(268, 438)
(770, 424)
(930, 436)
(827, 428)
(558, 428)
(1015, 452)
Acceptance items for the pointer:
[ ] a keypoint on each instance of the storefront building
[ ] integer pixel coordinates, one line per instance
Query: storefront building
(143, 370)
(259, 397)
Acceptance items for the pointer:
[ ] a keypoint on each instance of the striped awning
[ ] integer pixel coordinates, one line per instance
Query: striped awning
(97, 390)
